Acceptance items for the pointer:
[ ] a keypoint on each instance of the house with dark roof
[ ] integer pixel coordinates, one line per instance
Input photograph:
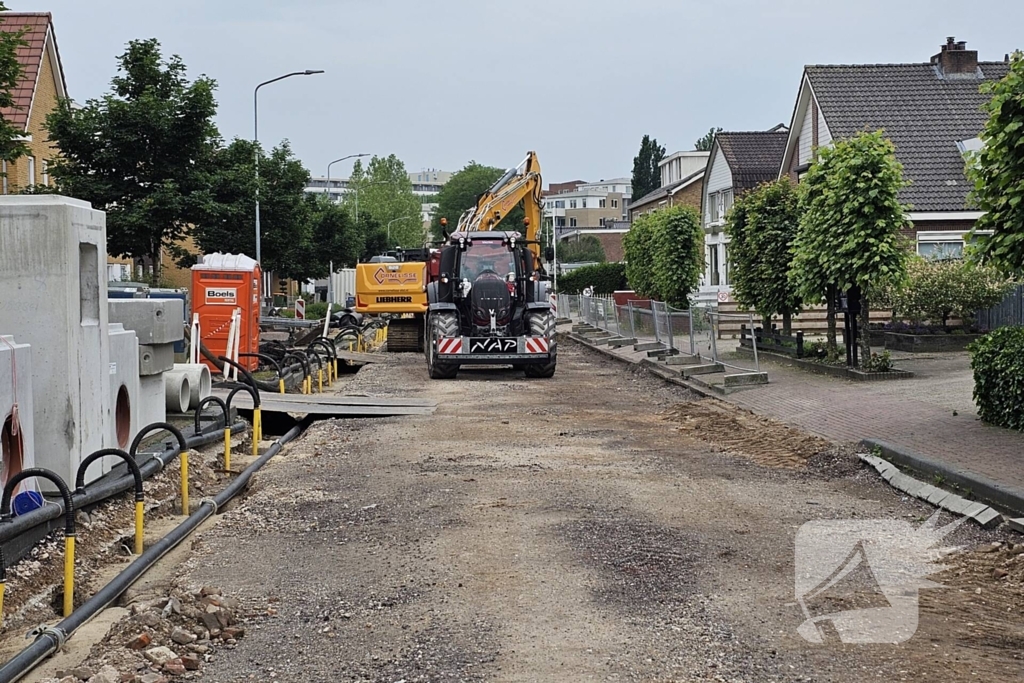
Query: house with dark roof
(739, 162)
(681, 177)
(931, 111)
(41, 87)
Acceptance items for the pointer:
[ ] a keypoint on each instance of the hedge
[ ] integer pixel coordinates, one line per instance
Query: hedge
(998, 363)
(605, 278)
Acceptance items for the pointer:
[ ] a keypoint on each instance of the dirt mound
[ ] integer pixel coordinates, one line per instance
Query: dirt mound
(729, 429)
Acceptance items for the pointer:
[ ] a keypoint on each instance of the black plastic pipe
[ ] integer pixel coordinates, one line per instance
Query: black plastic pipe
(7, 514)
(107, 487)
(51, 639)
(133, 467)
(205, 402)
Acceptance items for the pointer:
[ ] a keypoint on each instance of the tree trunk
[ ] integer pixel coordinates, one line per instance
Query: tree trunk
(155, 260)
(833, 347)
(865, 330)
(787, 323)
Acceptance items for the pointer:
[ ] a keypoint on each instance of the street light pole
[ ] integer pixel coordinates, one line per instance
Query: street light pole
(256, 143)
(350, 156)
(403, 218)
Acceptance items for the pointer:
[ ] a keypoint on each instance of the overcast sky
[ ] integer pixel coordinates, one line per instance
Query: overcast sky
(579, 81)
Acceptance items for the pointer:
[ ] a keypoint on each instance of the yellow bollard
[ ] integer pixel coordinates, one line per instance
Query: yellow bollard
(256, 431)
(184, 483)
(69, 575)
(3, 586)
(320, 381)
(139, 537)
(336, 369)
(280, 385)
(227, 448)
(259, 423)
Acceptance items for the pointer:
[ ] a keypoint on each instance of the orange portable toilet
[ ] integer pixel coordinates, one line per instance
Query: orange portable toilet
(220, 284)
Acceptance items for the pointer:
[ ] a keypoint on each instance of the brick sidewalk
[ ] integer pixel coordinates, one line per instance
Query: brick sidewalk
(915, 414)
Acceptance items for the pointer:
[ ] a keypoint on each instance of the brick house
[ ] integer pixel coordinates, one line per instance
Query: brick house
(681, 176)
(931, 111)
(41, 87)
(739, 162)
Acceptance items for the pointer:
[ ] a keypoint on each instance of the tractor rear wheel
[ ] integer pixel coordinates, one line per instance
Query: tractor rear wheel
(542, 324)
(440, 326)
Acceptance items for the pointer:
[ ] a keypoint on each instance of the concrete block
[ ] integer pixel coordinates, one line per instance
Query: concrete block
(152, 403)
(888, 474)
(124, 391)
(937, 495)
(1016, 523)
(619, 343)
(709, 369)
(685, 360)
(746, 379)
(17, 441)
(987, 518)
(955, 504)
(154, 321)
(902, 482)
(648, 346)
(53, 296)
(974, 508)
(155, 358)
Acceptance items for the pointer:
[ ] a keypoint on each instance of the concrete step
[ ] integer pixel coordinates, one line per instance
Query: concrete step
(662, 353)
(619, 343)
(709, 369)
(648, 346)
(602, 341)
(746, 379)
(563, 321)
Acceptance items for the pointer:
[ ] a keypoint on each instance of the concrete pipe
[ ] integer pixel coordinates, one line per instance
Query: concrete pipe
(178, 391)
(200, 382)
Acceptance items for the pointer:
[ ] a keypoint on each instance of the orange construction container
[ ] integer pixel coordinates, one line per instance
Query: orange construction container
(220, 284)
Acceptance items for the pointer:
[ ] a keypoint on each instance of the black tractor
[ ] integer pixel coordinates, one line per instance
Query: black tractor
(489, 306)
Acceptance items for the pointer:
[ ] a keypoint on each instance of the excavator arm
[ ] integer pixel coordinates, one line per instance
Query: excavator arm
(520, 184)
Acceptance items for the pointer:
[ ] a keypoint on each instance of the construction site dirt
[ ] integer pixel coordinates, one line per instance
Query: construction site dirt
(601, 525)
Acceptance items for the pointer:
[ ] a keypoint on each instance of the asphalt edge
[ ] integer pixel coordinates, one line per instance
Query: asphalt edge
(1008, 498)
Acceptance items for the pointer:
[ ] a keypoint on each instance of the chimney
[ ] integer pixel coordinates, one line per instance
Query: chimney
(956, 60)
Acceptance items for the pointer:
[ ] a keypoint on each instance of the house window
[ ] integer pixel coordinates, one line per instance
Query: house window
(560, 204)
(713, 274)
(46, 172)
(601, 203)
(572, 222)
(615, 203)
(31, 170)
(713, 215)
(4, 168)
(600, 222)
(941, 245)
(560, 221)
(725, 264)
(584, 203)
(572, 203)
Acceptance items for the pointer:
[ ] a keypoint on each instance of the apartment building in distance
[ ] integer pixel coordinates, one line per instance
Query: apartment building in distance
(426, 185)
(600, 208)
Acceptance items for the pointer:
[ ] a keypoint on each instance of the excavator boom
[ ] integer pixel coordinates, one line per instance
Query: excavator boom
(520, 184)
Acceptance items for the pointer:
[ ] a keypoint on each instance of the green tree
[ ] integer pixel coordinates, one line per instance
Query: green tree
(605, 278)
(646, 173)
(12, 143)
(997, 171)
(286, 215)
(588, 249)
(705, 143)
(385, 193)
(849, 236)
(762, 226)
(678, 254)
(639, 247)
(142, 153)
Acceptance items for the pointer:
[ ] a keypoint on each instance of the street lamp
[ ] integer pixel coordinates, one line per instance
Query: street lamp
(256, 140)
(350, 156)
(403, 218)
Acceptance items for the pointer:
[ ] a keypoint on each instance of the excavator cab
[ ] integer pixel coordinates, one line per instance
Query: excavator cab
(488, 306)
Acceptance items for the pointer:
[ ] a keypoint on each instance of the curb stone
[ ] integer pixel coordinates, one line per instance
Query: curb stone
(982, 514)
(1009, 498)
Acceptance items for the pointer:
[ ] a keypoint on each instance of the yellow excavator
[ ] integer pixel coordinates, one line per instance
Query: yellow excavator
(396, 284)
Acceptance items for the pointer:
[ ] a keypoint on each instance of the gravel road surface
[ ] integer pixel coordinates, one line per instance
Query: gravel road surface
(599, 526)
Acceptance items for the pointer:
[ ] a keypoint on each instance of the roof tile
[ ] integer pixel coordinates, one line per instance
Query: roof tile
(30, 55)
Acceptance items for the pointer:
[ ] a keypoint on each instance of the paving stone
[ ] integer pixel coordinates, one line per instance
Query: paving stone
(987, 518)
(955, 504)
(974, 508)
(937, 496)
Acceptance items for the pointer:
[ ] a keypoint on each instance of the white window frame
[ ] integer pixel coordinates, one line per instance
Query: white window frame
(572, 222)
(615, 203)
(943, 237)
(602, 203)
(31, 170)
(46, 172)
(572, 203)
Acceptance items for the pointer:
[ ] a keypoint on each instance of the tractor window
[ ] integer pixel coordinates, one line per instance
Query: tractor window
(487, 256)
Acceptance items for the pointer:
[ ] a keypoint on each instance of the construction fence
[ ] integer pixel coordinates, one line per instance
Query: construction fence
(702, 332)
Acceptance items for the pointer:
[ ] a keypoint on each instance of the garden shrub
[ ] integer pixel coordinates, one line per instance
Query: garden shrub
(998, 363)
(606, 278)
